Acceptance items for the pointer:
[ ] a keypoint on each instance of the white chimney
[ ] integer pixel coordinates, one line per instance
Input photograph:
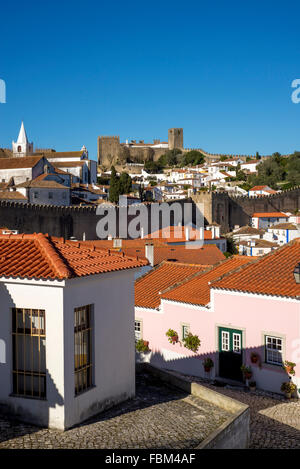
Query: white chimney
(149, 253)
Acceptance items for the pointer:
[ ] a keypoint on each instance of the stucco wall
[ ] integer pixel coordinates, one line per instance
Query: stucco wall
(255, 315)
(112, 297)
(40, 295)
(113, 342)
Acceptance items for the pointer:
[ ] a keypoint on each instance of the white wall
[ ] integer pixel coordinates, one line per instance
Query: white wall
(39, 295)
(112, 295)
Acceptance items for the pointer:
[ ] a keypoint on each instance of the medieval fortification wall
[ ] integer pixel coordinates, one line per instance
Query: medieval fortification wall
(81, 222)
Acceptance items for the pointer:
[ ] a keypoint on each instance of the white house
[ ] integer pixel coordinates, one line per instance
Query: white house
(282, 233)
(266, 219)
(261, 190)
(256, 247)
(66, 329)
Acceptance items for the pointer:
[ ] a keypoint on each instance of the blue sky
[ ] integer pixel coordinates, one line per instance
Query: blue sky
(221, 70)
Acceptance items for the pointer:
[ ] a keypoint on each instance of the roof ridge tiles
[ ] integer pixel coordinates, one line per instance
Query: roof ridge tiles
(53, 257)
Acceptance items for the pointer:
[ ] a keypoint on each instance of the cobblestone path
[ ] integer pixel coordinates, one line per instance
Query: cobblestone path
(158, 417)
(275, 422)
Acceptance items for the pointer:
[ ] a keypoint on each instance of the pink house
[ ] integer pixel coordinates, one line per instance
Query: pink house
(239, 307)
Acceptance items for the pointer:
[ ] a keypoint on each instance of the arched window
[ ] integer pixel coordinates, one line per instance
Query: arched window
(19, 149)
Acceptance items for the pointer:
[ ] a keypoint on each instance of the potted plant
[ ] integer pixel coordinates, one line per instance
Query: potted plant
(289, 367)
(191, 342)
(288, 387)
(246, 370)
(254, 357)
(252, 385)
(208, 364)
(172, 336)
(142, 346)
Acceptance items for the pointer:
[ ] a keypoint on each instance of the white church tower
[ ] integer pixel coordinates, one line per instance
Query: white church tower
(22, 147)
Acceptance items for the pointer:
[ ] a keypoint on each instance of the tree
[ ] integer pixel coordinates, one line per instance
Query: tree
(192, 158)
(125, 183)
(293, 169)
(114, 186)
(152, 167)
(231, 247)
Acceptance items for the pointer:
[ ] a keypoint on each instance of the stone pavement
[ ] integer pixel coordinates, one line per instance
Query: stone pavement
(158, 417)
(274, 421)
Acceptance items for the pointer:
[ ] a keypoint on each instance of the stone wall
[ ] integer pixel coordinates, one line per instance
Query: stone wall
(229, 210)
(81, 221)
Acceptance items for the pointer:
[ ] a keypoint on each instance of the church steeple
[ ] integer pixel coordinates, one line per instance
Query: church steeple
(22, 147)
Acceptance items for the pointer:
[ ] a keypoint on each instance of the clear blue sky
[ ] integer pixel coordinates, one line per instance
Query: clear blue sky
(222, 70)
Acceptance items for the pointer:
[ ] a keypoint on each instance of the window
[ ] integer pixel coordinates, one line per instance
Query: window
(185, 329)
(236, 343)
(64, 195)
(225, 341)
(29, 352)
(82, 348)
(36, 195)
(273, 350)
(50, 195)
(137, 330)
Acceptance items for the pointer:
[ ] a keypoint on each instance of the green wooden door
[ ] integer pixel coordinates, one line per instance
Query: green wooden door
(230, 353)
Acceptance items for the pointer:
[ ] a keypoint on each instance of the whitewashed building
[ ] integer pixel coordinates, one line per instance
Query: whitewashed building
(66, 329)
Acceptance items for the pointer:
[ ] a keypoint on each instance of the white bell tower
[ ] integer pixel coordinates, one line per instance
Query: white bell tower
(22, 147)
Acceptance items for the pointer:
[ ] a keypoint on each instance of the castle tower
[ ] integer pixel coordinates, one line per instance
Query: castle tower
(175, 138)
(22, 147)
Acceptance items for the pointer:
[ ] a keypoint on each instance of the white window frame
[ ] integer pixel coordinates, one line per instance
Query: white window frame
(185, 330)
(272, 351)
(227, 341)
(138, 334)
(237, 349)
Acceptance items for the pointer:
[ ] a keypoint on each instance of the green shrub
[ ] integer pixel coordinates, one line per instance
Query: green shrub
(191, 342)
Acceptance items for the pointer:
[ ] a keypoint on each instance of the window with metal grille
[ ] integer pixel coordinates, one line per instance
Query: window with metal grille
(137, 330)
(83, 348)
(273, 349)
(29, 352)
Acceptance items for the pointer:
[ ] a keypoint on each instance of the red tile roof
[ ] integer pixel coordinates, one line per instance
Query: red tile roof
(208, 254)
(175, 234)
(148, 287)
(197, 290)
(42, 256)
(19, 162)
(271, 274)
(269, 215)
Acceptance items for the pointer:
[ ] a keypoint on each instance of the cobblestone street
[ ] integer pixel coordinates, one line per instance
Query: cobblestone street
(161, 417)
(158, 417)
(275, 422)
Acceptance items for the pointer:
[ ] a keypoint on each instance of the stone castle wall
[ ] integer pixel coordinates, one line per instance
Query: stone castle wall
(230, 210)
(81, 222)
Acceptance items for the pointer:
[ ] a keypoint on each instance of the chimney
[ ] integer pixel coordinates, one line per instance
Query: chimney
(117, 243)
(149, 253)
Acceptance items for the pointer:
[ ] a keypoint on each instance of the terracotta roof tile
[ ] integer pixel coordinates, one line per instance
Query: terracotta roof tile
(209, 254)
(271, 274)
(197, 290)
(41, 256)
(269, 215)
(19, 162)
(148, 287)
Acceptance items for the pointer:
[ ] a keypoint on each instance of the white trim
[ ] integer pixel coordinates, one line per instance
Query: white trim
(253, 295)
(152, 310)
(185, 305)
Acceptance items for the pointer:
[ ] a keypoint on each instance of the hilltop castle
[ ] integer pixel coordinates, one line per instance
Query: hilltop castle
(112, 152)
